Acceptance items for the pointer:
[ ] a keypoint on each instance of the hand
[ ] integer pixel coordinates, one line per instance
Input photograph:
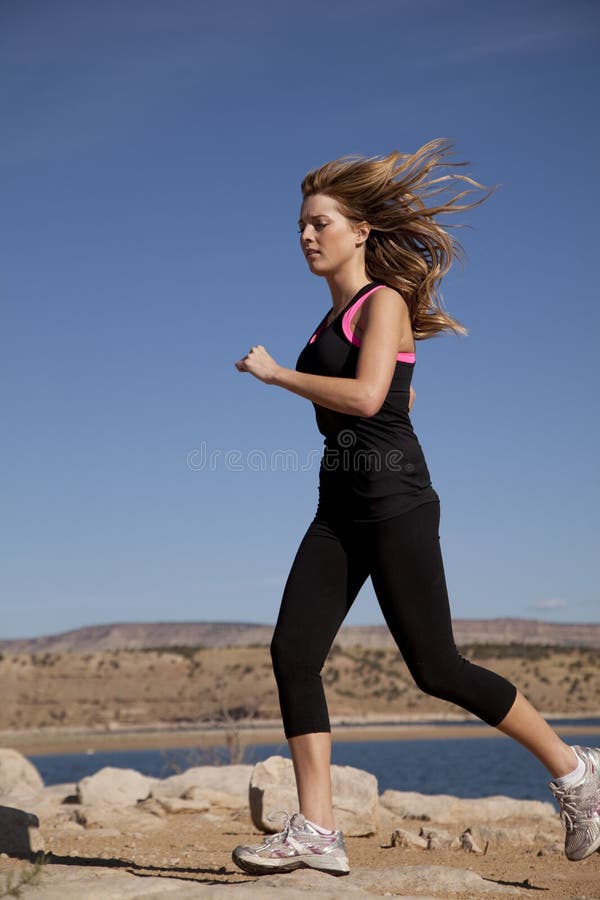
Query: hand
(259, 363)
(411, 397)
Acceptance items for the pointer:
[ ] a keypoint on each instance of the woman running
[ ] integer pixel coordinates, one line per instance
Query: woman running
(369, 227)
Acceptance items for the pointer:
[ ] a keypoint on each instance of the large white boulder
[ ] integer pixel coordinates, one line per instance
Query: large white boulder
(439, 880)
(18, 777)
(442, 808)
(114, 787)
(408, 882)
(216, 785)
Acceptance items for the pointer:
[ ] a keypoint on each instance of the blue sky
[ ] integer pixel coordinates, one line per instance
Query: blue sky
(150, 168)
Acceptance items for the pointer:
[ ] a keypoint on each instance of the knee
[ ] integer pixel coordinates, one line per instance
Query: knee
(277, 651)
(282, 657)
(293, 664)
(438, 678)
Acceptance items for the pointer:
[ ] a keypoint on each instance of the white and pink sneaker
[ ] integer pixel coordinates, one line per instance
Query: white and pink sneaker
(299, 845)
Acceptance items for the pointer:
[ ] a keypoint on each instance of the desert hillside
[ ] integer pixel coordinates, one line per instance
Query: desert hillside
(144, 635)
(185, 685)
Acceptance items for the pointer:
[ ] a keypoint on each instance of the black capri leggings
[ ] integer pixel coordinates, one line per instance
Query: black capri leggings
(403, 557)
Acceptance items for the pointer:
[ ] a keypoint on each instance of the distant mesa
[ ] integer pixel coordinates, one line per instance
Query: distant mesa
(145, 635)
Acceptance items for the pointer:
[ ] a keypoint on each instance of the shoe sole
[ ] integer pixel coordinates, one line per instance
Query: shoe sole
(265, 867)
(593, 848)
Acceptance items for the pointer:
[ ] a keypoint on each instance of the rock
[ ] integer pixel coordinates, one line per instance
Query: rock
(437, 839)
(60, 792)
(516, 834)
(152, 806)
(50, 800)
(126, 819)
(440, 880)
(355, 798)
(298, 883)
(79, 817)
(94, 883)
(444, 809)
(355, 801)
(19, 832)
(469, 844)
(18, 777)
(176, 805)
(224, 785)
(114, 787)
(212, 797)
(407, 840)
(551, 850)
(391, 881)
(285, 892)
(272, 788)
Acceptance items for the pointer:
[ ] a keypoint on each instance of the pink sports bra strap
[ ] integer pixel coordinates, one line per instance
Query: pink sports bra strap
(401, 357)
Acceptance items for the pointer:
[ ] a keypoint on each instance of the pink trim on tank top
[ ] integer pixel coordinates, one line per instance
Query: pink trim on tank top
(402, 357)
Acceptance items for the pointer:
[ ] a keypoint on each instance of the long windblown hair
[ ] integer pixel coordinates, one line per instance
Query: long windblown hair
(407, 249)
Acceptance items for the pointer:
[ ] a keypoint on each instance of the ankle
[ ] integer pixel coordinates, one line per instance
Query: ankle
(322, 820)
(567, 764)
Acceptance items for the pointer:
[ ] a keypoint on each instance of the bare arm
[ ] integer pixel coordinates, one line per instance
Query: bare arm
(387, 324)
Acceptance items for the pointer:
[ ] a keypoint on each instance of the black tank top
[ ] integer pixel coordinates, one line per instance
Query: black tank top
(372, 467)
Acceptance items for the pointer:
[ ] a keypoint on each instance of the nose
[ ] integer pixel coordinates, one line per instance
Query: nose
(305, 236)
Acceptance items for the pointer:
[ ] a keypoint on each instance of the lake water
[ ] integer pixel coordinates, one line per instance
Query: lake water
(464, 767)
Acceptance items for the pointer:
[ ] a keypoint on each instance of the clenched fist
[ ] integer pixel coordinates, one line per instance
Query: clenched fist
(259, 363)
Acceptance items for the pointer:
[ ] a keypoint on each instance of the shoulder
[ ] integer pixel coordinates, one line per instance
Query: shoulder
(386, 294)
(384, 302)
(386, 314)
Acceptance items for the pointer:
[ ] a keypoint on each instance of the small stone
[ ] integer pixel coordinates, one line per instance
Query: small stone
(407, 840)
(551, 850)
(468, 843)
(437, 839)
(79, 817)
(153, 806)
(175, 805)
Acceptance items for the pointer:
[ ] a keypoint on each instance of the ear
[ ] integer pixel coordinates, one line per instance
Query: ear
(361, 232)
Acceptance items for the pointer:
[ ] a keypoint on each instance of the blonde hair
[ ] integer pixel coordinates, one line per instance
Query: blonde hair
(407, 249)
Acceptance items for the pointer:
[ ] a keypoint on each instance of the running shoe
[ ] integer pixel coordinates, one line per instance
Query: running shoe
(580, 807)
(299, 845)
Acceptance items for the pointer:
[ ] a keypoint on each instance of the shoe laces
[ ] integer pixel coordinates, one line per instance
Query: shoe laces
(287, 825)
(569, 811)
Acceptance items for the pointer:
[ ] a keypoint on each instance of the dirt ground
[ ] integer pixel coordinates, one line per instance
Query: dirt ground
(188, 847)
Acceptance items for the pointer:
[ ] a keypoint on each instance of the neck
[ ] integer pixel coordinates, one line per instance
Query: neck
(344, 284)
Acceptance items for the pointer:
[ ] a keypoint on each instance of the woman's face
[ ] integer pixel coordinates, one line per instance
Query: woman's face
(327, 238)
